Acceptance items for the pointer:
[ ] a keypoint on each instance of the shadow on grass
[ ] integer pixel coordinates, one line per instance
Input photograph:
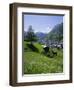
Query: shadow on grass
(32, 47)
(50, 53)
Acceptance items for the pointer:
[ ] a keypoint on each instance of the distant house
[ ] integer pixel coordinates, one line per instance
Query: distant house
(53, 43)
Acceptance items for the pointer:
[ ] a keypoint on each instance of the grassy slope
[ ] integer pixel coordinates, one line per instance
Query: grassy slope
(35, 62)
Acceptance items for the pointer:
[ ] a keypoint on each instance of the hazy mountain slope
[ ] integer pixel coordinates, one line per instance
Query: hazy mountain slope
(56, 33)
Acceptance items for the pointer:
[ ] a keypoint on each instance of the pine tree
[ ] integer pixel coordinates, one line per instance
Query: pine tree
(31, 37)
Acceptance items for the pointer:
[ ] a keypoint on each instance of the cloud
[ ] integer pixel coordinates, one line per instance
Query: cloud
(48, 29)
(44, 30)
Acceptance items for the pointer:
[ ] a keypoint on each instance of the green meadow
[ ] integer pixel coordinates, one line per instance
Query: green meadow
(37, 62)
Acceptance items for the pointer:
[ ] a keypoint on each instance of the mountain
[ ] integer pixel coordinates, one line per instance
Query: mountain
(41, 36)
(56, 33)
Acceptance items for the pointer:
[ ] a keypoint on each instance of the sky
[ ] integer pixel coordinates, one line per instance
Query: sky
(41, 23)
